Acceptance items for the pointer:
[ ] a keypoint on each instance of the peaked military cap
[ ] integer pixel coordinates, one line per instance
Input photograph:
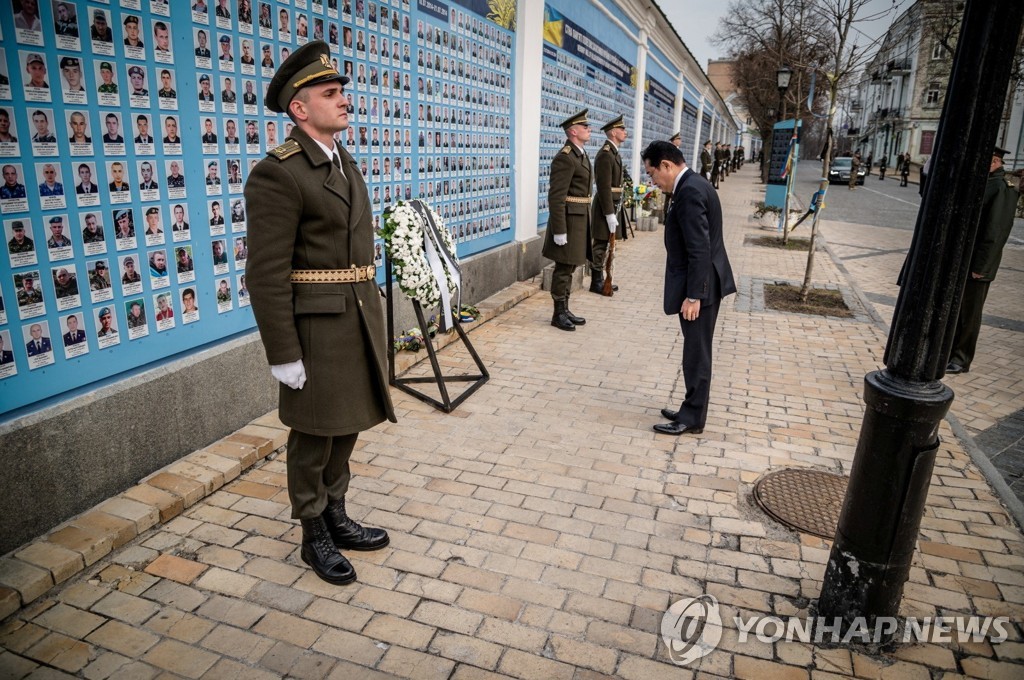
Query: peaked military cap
(67, 62)
(576, 119)
(675, 136)
(308, 65)
(614, 123)
(999, 151)
(130, 19)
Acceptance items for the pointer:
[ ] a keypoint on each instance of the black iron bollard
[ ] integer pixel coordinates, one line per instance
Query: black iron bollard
(881, 516)
(884, 502)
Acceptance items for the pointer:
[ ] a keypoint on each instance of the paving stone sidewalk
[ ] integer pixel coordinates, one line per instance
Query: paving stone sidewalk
(540, 531)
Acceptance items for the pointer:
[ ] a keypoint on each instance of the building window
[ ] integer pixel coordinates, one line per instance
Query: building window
(938, 51)
(932, 94)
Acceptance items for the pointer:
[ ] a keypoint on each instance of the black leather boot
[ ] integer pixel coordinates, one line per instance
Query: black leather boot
(596, 282)
(561, 319)
(576, 320)
(349, 535)
(318, 552)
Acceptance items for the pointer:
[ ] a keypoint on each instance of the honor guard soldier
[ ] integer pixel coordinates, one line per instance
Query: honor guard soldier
(315, 298)
(567, 240)
(706, 161)
(604, 214)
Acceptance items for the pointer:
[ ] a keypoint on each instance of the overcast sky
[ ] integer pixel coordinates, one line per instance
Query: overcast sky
(697, 20)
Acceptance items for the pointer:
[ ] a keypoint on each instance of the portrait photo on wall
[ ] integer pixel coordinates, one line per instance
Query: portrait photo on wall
(106, 327)
(28, 25)
(21, 248)
(9, 145)
(38, 344)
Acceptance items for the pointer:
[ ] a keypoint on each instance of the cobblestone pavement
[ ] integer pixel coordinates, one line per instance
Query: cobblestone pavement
(541, 530)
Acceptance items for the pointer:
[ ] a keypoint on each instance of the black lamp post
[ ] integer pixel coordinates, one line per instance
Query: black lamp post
(782, 77)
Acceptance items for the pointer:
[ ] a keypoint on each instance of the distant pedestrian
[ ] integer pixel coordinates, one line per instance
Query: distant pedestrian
(854, 169)
(882, 164)
(905, 170)
(871, 161)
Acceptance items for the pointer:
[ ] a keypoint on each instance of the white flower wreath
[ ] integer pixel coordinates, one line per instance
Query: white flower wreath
(403, 234)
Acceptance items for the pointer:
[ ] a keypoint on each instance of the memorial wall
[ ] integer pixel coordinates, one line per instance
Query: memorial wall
(127, 130)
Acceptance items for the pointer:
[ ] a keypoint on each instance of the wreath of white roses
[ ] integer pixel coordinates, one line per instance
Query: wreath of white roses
(403, 234)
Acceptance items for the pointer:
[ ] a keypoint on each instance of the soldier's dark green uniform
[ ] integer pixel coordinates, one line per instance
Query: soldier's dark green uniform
(997, 212)
(706, 160)
(608, 197)
(311, 282)
(568, 216)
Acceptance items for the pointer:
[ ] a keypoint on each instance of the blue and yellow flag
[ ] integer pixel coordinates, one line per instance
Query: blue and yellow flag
(554, 27)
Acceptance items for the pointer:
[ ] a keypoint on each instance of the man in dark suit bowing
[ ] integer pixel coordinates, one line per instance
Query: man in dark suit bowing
(697, 276)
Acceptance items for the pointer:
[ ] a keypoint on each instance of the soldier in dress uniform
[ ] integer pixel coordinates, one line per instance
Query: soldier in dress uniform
(567, 240)
(706, 161)
(316, 302)
(997, 212)
(604, 214)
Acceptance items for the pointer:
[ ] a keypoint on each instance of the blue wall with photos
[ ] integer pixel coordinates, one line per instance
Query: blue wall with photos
(591, 67)
(127, 129)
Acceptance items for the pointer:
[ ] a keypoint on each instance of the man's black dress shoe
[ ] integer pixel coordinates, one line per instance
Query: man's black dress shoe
(677, 428)
(953, 369)
(668, 414)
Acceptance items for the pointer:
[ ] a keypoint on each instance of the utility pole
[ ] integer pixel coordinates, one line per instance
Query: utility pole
(906, 401)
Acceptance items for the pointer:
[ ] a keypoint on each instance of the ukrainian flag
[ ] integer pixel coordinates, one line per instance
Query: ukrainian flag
(554, 27)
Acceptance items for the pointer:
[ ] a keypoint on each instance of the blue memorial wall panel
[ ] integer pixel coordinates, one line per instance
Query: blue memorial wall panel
(582, 68)
(659, 105)
(127, 130)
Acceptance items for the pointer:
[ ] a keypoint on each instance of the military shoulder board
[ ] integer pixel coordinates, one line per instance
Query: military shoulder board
(566, 149)
(607, 146)
(289, 148)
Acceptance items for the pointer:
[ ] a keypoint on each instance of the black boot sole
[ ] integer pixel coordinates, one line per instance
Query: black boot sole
(345, 580)
(363, 547)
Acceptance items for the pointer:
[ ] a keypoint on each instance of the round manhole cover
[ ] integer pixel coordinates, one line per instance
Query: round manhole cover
(805, 500)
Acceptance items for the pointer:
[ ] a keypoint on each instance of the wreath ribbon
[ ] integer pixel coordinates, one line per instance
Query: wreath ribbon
(438, 258)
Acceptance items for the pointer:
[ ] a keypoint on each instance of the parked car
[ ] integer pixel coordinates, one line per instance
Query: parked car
(839, 171)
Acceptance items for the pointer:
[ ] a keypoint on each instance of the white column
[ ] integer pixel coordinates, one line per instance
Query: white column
(529, 61)
(698, 142)
(677, 113)
(638, 105)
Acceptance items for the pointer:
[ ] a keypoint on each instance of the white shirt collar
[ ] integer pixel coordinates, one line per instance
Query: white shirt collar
(329, 151)
(675, 185)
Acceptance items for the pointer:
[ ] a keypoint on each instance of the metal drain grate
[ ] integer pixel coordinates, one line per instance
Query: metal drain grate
(805, 500)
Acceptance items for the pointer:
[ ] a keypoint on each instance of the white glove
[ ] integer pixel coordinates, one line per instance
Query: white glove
(293, 375)
(613, 223)
(561, 239)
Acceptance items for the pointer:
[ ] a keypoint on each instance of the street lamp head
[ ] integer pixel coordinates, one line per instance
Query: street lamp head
(783, 76)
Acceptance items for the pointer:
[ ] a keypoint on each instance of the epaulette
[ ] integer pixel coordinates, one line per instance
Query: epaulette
(289, 148)
(607, 146)
(566, 149)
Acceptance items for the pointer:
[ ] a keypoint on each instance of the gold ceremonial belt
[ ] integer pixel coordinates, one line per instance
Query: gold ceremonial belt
(616, 190)
(577, 199)
(350, 275)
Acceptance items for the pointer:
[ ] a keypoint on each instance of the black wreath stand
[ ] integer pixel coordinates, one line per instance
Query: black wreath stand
(448, 404)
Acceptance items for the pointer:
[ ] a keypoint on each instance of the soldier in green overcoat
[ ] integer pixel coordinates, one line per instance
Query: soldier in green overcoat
(608, 197)
(567, 240)
(997, 212)
(316, 302)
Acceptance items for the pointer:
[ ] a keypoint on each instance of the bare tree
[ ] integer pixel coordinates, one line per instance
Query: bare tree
(761, 36)
(842, 61)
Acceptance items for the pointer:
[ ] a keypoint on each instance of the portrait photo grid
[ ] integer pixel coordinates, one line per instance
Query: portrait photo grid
(128, 128)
